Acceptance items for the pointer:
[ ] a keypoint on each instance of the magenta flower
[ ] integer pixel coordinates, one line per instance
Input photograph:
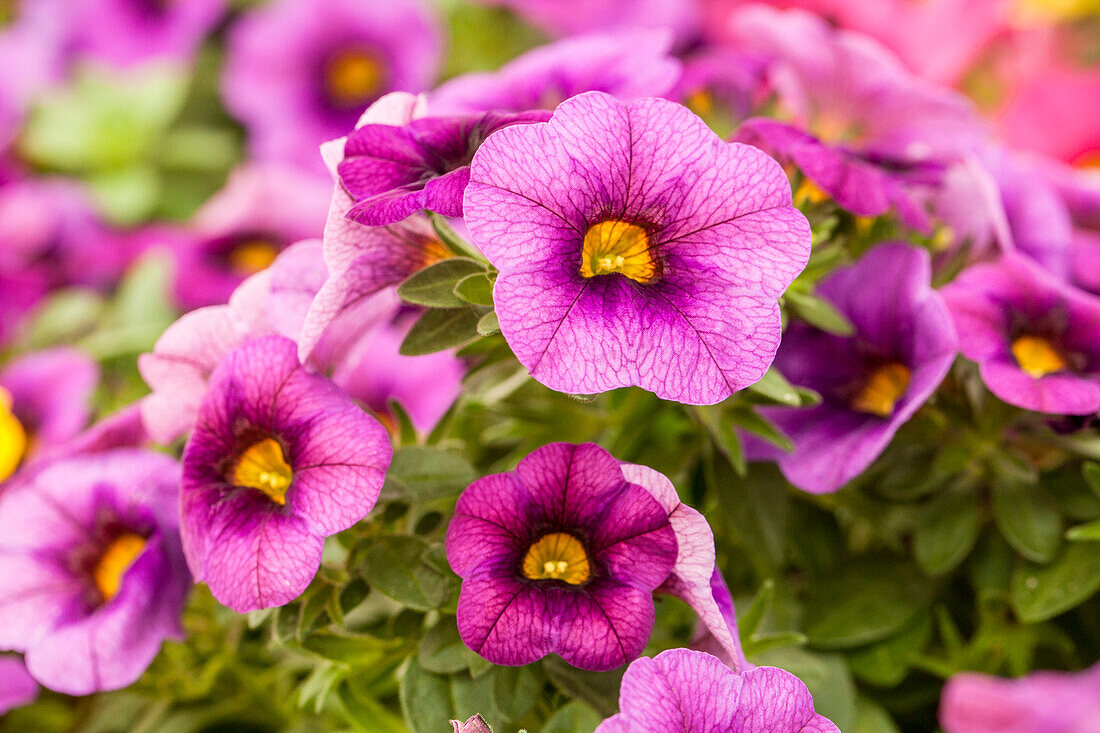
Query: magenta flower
(44, 402)
(32, 56)
(635, 248)
(627, 64)
(94, 574)
(566, 17)
(685, 691)
(870, 383)
(561, 556)
(1041, 702)
(1036, 339)
(279, 459)
(335, 58)
(17, 687)
(125, 32)
(862, 186)
(474, 724)
(394, 172)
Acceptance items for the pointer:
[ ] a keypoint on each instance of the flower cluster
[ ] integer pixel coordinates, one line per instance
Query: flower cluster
(336, 393)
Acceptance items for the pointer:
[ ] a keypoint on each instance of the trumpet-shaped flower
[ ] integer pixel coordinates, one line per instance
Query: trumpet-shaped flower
(280, 458)
(635, 248)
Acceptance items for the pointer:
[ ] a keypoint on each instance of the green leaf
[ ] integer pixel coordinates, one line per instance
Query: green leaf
(1040, 592)
(947, 528)
(475, 697)
(886, 663)
(425, 699)
(1091, 470)
(128, 195)
(761, 643)
(440, 329)
(873, 718)
(105, 119)
(1089, 532)
(399, 567)
(775, 387)
(1027, 519)
(476, 289)
(515, 690)
(748, 623)
(867, 602)
(488, 324)
(441, 650)
(819, 313)
(418, 473)
(574, 717)
(599, 689)
(65, 316)
(434, 286)
(450, 238)
(754, 423)
(138, 315)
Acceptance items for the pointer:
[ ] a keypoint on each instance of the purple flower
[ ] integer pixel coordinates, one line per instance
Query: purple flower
(1041, 702)
(374, 372)
(394, 172)
(279, 459)
(856, 183)
(720, 81)
(32, 56)
(627, 64)
(1036, 339)
(566, 17)
(635, 248)
(17, 687)
(685, 691)
(94, 574)
(475, 724)
(870, 383)
(126, 32)
(335, 58)
(44, 402)
(560, 556)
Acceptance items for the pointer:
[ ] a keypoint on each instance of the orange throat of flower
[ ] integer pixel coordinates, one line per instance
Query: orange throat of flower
(263, 466)
(557, 556)
(252, 255)
(615, 246)
(13, 437)
(1037, 356)
(112, 565)
(353, 78)
(882, 390)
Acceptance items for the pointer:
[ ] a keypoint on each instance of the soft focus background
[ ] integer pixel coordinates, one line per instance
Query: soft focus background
(148, 166)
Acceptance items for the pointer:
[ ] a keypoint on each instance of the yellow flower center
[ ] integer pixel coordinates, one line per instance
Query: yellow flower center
(701, 102)
(115, 561)
(1037, 356)
(1032, 13)
(352, 78)
(809, 193)
(882, 390)
(252, 255)
(617, 246)
(13, 438)
(557, 556)
(262, 466)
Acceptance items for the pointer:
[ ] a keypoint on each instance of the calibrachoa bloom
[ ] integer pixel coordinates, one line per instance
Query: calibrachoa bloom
(565, 17)
(856, 183)
(1036, 340)
(279, 459)
(1042, 702)
(870, 383)
(561, 556)
(44, 401)
(685, 691)
(93, 570)
(627, 65)
(394, 172)
(635, 248)
(17, 687)
(335, 58)
(475, 724)
(126, 32)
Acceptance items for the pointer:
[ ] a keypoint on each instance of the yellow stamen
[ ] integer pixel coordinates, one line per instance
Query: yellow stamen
(809, 193)
(882, 390)
(1035, 13)
(1037, 356)
(262, 466)
(557, 556)
(13, 438)
(352, 78)
(616, 246)
(252, 256)
(700, 102)
(115, 561)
